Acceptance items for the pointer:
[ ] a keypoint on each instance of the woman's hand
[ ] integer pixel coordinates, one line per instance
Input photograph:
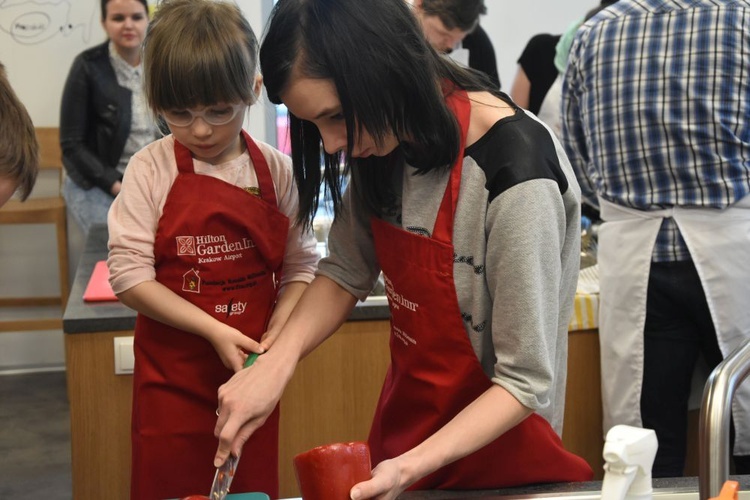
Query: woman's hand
(493, 413)
(249, 397)
(386, 482)
(246, 401)
(232, 347)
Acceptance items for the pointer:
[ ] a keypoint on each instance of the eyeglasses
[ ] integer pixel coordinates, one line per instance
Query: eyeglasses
(213, 115)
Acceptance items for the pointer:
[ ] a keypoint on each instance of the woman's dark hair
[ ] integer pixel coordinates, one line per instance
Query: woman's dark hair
(388, 79)
(105, 2)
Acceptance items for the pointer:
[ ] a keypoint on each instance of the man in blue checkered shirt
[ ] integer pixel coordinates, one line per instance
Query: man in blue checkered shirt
(656, 122)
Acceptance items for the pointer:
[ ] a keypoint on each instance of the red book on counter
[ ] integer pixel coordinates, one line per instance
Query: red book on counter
(98, 289)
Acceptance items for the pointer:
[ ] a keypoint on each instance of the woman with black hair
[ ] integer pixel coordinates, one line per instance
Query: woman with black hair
(469, 208)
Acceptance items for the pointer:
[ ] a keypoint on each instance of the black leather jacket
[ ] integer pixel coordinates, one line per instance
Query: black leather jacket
(94, 120)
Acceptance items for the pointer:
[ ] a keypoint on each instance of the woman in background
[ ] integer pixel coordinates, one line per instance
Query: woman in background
(104, 119)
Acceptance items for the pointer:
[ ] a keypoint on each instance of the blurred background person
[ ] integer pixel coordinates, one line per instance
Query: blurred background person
(452, 27)
(535, 72)
(19, 154)
(655, 105)
(537, 85)
(104, 119)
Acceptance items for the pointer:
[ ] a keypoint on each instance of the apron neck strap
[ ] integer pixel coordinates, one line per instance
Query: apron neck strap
(265, 182)
(184, 158)
(458, 102)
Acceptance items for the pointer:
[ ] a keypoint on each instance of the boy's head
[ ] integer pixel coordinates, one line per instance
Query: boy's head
(19, 153)
(199, 52)
(447, 22)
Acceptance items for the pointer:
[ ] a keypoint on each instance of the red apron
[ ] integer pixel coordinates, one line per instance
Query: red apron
(434, 372)
(220, 248)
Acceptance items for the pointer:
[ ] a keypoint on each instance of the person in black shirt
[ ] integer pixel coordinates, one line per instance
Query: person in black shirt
(536, 72)
(537, 69)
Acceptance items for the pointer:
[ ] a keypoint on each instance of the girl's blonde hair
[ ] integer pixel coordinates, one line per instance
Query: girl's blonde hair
(199, 52)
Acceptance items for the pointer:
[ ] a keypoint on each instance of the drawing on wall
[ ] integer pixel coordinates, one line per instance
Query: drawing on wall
(30, 22)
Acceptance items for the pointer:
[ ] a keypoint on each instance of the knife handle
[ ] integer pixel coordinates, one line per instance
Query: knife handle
(250, 359)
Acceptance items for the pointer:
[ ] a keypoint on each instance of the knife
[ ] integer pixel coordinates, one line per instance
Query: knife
(225, 473)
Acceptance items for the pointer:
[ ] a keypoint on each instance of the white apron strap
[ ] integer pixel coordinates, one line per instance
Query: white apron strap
(626, 242)
(719, 243)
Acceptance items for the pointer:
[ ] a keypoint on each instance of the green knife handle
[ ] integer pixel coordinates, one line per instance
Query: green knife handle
(250, 359)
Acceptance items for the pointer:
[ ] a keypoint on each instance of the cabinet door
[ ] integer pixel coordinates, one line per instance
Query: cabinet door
(333, 394)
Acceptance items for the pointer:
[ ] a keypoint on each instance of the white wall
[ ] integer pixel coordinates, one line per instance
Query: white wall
(38, 55)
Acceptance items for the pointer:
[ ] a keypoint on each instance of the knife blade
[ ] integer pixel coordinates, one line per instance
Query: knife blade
(223, 478)
(225, 473)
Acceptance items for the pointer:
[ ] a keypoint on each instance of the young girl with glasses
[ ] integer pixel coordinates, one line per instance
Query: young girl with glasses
(199, 236)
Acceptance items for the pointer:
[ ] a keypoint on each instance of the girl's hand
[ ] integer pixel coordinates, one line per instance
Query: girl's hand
(268, 338)
(384, 485)
(231, 346)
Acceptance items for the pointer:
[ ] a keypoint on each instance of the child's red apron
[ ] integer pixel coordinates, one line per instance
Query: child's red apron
(220, 248)
(434, 372)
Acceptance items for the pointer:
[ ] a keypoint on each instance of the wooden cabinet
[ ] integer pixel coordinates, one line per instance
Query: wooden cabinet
(99, 417)
(333, 394)
(582, 424)
(331, 398)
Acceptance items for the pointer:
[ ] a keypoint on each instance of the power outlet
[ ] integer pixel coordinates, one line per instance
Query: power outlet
(124, 358)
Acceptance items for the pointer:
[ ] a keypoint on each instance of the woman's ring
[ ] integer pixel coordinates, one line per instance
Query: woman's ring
(217, 412)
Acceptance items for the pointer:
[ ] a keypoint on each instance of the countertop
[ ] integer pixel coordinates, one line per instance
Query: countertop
(89, 317)
(676, 483)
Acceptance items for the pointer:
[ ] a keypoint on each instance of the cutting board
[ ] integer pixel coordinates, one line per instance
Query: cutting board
(98, 289)
(247, 496)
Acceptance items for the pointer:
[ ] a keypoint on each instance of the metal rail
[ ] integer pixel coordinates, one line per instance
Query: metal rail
(716, 411)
